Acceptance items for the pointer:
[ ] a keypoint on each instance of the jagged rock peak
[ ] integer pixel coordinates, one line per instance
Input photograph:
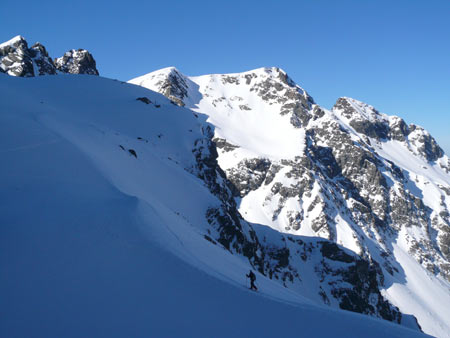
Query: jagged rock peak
(17, 59)
(78, 61)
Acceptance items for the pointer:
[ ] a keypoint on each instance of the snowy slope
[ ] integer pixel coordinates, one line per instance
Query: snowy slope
(362, 179)
(102, 225)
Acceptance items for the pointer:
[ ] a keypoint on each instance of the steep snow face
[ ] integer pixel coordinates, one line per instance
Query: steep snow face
(234, 105)
(353, 175)
(431, 295)
(17, 59)
(102, 218)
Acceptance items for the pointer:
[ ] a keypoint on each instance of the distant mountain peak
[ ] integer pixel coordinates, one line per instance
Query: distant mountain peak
(17, 59)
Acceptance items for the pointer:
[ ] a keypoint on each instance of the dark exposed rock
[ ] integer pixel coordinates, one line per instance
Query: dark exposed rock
(174, 87)
(244, 107)
(295, 219)
(398, 130)
(333, 252)
(376, 130)
(17, 59)
(78, 61)
(146, 100)
(223, 144)
(444, 243)
(132, 152)
(249, 175)
(294, 100)
(365, 296)
(426, 144)
(445, 189)
(371, 125)
(43, 62)
(325, 157)
(318, 112)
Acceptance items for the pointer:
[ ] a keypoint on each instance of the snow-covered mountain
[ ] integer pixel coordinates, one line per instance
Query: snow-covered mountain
(17, 59)
(124, 212)
(359, 178)
(112, 226)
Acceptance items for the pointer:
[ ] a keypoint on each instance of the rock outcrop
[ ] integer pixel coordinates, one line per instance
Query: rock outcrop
(17, 59)
(77, 62)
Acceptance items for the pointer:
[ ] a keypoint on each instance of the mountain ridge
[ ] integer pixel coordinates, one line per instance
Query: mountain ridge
(341, 209)
(342, 179)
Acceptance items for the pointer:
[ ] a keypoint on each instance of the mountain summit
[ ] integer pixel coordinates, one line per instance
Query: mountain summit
(362, 179)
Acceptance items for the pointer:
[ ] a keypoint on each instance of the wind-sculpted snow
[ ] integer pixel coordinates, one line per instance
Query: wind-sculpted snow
(352, 175)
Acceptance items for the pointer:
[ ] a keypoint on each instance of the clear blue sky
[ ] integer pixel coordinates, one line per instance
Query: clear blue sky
(394, 55)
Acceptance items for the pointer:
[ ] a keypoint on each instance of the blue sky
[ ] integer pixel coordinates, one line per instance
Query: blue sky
(394, 55)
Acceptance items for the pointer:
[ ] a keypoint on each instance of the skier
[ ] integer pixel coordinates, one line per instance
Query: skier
(252, 277)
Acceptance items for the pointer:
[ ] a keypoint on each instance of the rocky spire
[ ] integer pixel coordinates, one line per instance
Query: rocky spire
(17, 59)
(77, 62)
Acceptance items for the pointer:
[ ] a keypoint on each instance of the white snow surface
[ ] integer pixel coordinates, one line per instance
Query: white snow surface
(97, 242)
(11, 41)
(420, 294)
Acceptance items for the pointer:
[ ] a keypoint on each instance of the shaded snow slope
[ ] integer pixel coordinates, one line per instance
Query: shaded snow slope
(102, 225)
(355, 176)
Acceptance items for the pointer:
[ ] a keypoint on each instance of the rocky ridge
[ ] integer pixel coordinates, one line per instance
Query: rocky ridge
(17, 59)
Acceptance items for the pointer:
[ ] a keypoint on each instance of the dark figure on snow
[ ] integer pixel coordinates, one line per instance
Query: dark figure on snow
(252, 277)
